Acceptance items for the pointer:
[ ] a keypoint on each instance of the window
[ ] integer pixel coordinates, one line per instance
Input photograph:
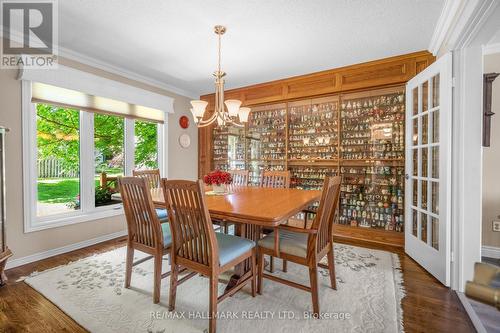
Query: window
(73, 158)
(109, 156)
(58, 160)
(146, 145)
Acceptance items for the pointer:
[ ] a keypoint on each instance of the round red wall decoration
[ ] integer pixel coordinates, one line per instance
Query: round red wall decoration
(184, 122)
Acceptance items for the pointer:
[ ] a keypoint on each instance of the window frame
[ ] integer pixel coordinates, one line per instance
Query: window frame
(88, 211)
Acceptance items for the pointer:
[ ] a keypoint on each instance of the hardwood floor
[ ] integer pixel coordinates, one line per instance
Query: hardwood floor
(427, 307)
(22, 309)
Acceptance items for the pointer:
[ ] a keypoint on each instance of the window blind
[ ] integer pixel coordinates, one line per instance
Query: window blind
(49, 94)
(71, 87)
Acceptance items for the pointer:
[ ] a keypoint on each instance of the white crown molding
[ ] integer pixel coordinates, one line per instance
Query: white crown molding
(451, 9)
(459, 22)
(490, 252)
(473, 18)
(63, 249)
(113, 69)
(491, 49)
(105, 66)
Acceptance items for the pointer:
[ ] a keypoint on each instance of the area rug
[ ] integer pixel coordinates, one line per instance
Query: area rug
(367, 299)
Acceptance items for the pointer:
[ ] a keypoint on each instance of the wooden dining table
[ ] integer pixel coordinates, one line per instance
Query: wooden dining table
(266, 207)
(251, 209)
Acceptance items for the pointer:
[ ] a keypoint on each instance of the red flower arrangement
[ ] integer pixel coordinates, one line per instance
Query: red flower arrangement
(218, 177)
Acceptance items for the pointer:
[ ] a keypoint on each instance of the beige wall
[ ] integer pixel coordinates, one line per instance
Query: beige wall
(491, 161)
(182, 163)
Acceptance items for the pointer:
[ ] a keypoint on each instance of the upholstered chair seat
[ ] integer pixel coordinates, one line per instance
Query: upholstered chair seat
(162, 214)
(167, 235)
(290, 242)
(231, 247)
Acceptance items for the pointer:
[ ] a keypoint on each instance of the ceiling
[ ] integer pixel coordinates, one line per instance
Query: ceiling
(173, 41)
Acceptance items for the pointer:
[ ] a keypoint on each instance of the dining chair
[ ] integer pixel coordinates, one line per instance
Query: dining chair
(145, 232)
(240, 178)
(275, 179)
(153, 178)
(305, 246)
(199, 248)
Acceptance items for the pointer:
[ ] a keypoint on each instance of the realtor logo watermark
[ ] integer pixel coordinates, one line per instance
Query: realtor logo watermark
(29, 30)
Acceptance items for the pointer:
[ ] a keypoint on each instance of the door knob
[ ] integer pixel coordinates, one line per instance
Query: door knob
(407, 176)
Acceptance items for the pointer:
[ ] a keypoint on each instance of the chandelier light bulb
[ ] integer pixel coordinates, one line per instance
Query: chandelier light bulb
(198, 108)
(244, 113)
(233, 106)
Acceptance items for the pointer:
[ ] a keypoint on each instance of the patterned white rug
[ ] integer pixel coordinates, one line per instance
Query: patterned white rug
(91, 291)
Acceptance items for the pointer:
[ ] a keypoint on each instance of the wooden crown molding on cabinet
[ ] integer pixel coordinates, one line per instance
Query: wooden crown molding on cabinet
(383, 72)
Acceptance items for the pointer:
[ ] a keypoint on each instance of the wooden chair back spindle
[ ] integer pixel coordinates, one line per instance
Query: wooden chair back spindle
(240, 177)
(143, 224)
(192, 230)
(323, 221)
(152, 176)
(275, 179)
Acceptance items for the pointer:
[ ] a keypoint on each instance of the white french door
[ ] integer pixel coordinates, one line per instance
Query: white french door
(428, 174)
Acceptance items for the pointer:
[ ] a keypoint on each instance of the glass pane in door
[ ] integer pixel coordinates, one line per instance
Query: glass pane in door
(435, 233)
(415, 101)
(435, 126)
(425, 129)
(415, 131)
(435, 91)
(415, 192)
(423, 173)
(414, 214)
(425, 96)
(435, 197)
(415, 162)
(423, 191)
(423, 226)
(435, 162)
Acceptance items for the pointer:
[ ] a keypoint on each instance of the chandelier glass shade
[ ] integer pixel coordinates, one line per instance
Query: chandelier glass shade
(233, 113)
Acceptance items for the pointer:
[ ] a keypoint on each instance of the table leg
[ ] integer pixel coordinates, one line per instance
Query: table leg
(249, 231)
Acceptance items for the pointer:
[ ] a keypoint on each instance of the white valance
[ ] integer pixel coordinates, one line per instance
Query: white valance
(70, 87)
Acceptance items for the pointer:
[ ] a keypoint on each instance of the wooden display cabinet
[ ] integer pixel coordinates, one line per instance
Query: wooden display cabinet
(220, 148)
(310, 177)
(347, 121)
(313, 130)
(267, 128)
(372, 159)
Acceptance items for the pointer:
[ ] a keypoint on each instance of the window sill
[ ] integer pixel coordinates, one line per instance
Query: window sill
(61, 221)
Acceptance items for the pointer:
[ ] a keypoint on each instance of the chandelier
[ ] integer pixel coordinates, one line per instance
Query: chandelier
(234, 114)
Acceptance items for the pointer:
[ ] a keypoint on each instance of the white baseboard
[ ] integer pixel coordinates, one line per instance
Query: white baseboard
(478, 325)
(64, 249)
(490, 252)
